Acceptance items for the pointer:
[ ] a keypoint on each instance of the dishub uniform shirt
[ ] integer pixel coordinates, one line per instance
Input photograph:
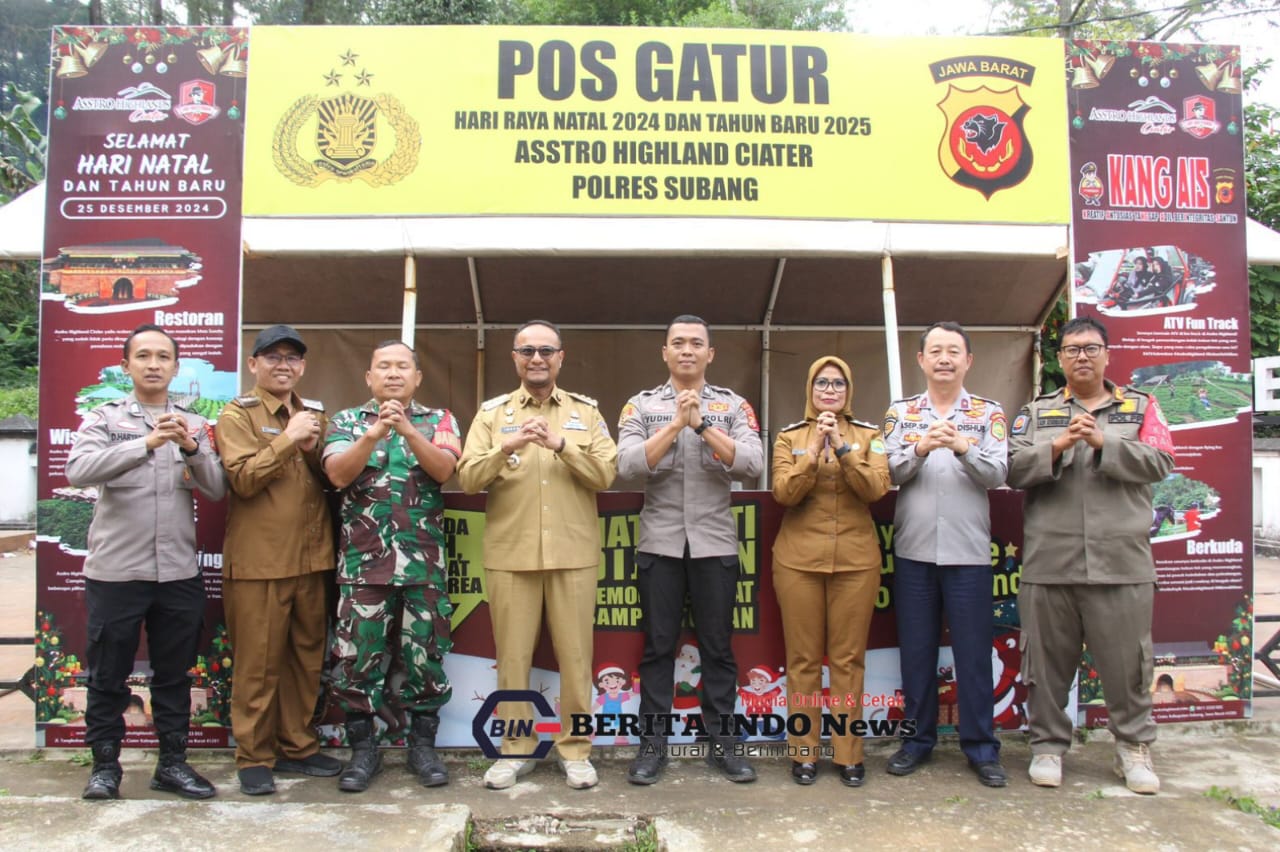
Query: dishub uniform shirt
(541, 509)
(686, 494)
(942, 515)
(144, 521)
(1088, 514)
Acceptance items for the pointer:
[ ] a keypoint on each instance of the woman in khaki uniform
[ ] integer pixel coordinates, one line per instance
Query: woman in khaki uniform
(827, 469)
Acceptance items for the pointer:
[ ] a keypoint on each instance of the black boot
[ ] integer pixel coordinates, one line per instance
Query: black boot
(174, 774)
(104, 780)
(365, 761)
(423, 760)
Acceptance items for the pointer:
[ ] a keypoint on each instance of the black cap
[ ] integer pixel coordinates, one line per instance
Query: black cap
(269, 337)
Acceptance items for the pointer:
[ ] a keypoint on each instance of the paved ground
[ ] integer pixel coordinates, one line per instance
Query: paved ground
(691, 809)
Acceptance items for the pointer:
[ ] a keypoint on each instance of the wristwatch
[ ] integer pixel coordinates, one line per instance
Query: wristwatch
(702, 427)
(844, 451)
(191, 453)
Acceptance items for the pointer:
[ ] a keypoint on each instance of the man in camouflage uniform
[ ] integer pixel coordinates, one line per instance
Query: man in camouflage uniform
(389, 457)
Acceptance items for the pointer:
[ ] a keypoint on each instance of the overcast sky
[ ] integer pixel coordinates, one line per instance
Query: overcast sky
(1257, 37)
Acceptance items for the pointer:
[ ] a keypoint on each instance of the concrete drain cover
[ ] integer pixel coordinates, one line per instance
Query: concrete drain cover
(558, 831)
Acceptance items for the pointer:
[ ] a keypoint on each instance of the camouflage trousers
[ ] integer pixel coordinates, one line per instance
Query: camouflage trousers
(386, 629)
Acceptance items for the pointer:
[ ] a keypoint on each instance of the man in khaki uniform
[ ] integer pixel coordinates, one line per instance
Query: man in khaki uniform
(276, 563)
(543, 453)
(1087, 455)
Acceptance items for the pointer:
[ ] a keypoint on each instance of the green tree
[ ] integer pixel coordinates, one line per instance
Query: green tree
(1262, 197)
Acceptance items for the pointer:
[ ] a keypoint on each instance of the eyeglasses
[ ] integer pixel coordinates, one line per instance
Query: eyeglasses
(1093, 350)
(835, 384)
(527, 352)
(273, 359)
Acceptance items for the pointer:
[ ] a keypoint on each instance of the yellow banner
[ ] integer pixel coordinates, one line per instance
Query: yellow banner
(372, 121)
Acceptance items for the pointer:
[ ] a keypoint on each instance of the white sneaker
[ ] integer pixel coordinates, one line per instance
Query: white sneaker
(579, 774)
(1046, 770)
(504, 773)
(1133, 764)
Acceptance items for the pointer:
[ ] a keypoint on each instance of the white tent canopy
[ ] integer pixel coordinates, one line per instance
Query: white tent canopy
(778, 293)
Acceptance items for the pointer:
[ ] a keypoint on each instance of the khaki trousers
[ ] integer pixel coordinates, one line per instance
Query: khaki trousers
(277, 630)
(826, 614)
(516, 603)
(1115, 622)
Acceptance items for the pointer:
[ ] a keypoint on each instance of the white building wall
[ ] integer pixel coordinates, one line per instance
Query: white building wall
(18, 472)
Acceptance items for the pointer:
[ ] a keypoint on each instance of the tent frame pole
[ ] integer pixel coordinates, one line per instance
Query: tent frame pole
(891, 326)
(409, 314)
(475, 299)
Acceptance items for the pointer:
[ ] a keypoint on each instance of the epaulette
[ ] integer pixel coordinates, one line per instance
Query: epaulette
(182, 407)
(1049, 394)
(865, 424)
(651, 391)
(313, 405)
(905, 400)
(1132, 389)
(249, 400)
(791, 426)
(582, 397)
(983, 399)
(490, 404)
(719, 389)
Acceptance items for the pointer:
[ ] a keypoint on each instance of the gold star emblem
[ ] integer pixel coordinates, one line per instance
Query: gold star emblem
(349, 58)
(363, 78)
(1010, 550)
(332, 78)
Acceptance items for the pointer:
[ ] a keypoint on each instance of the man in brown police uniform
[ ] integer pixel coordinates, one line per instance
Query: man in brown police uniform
(276, 563)
(542, 453)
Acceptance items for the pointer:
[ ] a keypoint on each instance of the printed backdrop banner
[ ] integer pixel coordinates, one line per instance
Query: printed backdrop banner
(1158, 220)
(369, 121)
(142, 226)
(757, 640)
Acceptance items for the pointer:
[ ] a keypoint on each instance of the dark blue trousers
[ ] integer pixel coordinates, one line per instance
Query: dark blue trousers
(922, 593)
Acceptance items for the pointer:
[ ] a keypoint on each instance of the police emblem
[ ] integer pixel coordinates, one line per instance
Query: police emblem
(345, 142)
(984, 146)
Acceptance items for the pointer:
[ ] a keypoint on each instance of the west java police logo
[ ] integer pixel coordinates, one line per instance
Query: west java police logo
(984, 146)
(1224, 185)
(348, 135)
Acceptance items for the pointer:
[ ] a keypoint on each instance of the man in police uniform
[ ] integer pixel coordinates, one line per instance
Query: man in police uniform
(146, 455)
(389, 457)
(1087, 455)
(946, 447)
(686, 441)
(275, 565)
(543, 453)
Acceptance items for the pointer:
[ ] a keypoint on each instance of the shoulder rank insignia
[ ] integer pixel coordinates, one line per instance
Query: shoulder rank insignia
(490, 404)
